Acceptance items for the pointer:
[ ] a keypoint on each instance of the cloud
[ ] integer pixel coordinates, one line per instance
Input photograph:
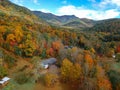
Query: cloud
(83, 12)
(44, 10)
(110, 2)
(117, 2)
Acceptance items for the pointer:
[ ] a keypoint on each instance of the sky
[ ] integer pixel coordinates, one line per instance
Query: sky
(91, 9)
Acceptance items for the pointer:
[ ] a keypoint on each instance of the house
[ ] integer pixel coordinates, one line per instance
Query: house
(4, 81)
(68, 47)
(46, 63)
(113, 56)
(44, 66)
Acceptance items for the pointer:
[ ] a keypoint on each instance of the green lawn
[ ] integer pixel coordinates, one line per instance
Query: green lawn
(116, 67)
(14, 86)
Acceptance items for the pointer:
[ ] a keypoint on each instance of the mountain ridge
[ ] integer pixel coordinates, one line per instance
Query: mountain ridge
(65, 20)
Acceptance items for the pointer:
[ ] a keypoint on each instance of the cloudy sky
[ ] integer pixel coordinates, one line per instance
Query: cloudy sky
(92, 9)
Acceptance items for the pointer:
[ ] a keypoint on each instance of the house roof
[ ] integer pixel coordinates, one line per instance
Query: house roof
(4, 80)
(49, 61)
(46, 66)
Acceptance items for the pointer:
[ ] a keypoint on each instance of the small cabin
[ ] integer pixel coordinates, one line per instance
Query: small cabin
(68, 47)
(47, 62)
(4, 81)
(113, 56)
(45, 66)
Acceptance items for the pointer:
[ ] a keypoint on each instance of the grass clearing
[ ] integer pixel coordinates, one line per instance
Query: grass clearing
(116, 66)
(15, 86)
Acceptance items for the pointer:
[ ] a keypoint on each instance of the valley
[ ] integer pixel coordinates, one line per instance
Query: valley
(43, 51)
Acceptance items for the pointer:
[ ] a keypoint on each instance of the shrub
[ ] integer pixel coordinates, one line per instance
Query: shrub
(3, 72)
(118, 57)
(10, 61)
(22, 78)
(114, 78)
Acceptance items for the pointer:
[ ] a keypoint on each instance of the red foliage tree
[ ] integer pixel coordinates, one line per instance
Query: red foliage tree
(118, 49)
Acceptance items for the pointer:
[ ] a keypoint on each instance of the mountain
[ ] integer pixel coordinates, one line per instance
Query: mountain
(70, 21)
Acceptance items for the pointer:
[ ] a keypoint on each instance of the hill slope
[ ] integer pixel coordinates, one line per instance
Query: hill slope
(20, 29)
(13, 10)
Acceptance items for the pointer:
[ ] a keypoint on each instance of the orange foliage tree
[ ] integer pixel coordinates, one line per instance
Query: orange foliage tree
(88, 60)
(56, 45)
(103, 82)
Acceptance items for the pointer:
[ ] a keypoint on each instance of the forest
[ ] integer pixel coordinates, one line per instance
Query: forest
(87, 59)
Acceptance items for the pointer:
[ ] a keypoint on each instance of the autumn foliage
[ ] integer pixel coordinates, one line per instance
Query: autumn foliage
(50, 79)
(118, 49)
(88, 60)
(71, 73)
(102, 80)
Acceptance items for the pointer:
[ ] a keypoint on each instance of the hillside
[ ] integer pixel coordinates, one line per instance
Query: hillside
(70, 21)
(110, 29)
(11, 9)
(109, 25)
(14, 15)
(20, 29)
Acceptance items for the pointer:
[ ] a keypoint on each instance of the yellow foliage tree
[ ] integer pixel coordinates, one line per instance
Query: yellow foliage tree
(92, 50)
(66, 69)
(70, 72)
(18, 34)
(50, 79)
(10, 37)
(73, 35)
(29, 47)
(76, 73)
(2, 29)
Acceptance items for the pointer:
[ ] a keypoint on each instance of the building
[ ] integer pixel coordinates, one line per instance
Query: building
(113, 56)
(4, 81)
(46, 63)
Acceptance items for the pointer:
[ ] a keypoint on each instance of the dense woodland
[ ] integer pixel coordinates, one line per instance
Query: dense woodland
(84, 57)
